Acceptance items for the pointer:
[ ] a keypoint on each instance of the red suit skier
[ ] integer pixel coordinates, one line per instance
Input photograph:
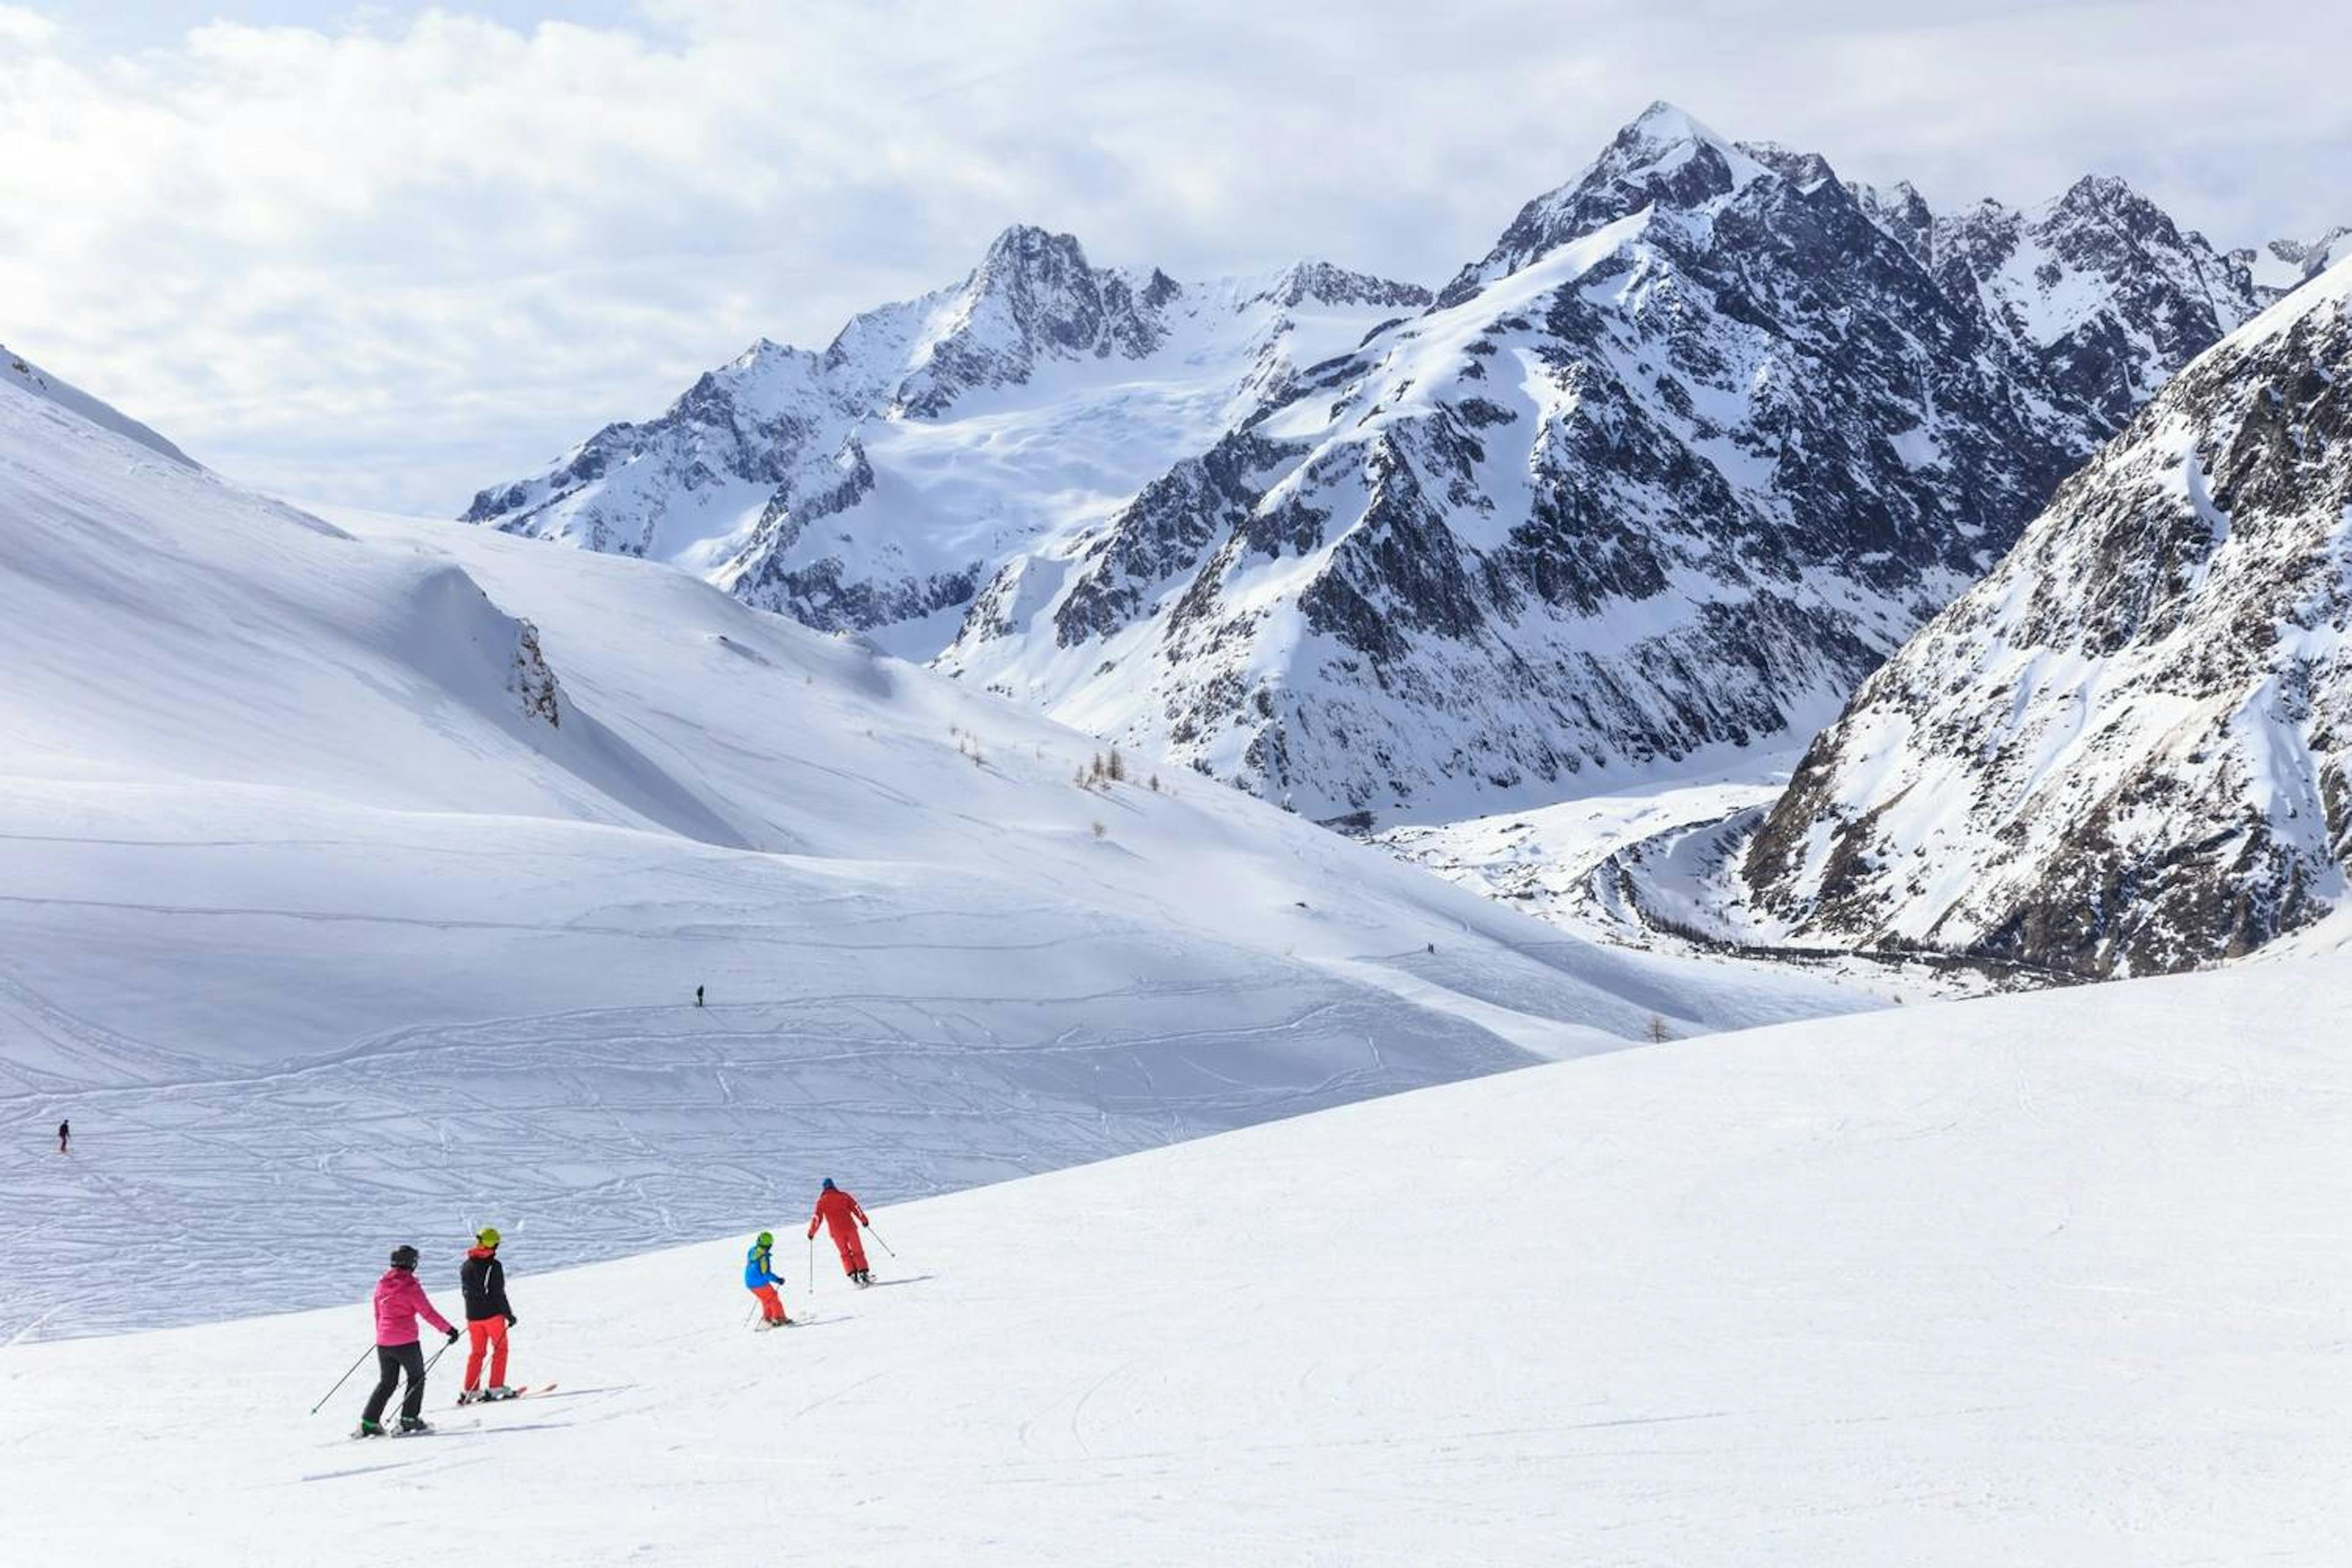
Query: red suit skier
(842, 1217)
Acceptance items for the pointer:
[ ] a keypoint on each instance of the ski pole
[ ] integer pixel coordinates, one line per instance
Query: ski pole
(339, 1382)
(877, 1235)
(812, 1241)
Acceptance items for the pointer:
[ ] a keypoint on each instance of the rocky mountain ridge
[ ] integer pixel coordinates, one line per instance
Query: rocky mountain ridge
(2129, 749)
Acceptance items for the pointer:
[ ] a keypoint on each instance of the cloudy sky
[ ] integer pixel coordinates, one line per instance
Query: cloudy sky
(387, 255)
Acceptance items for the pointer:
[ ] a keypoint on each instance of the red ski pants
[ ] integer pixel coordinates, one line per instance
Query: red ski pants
(769, 1304)
(487, 1334)
(853, 1249)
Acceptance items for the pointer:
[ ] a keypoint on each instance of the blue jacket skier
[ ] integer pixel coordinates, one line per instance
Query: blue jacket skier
(762, 1281)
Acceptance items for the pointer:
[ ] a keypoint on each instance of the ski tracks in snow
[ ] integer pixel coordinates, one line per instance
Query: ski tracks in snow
(593, 1133)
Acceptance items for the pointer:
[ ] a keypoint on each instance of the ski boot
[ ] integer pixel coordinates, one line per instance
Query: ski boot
(498, 1390)
(368, 1428)
(413, 1426)
(469, 1395)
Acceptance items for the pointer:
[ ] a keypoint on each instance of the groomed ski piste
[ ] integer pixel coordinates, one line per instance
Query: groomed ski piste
(2053, 1279)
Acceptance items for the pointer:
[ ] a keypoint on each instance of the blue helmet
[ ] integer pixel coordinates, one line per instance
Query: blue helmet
(828, 1183)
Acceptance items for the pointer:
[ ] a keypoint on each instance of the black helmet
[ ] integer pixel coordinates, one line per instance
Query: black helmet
(828, 1183)
(404, 1256)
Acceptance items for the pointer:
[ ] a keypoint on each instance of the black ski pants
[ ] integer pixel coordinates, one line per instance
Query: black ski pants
(391, 1360)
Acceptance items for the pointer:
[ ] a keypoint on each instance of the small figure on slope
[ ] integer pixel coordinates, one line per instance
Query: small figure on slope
(488, 1318)
(842, 1217)
(65, 1135)
(762, 1281)
(400, 1300)
(697, 995)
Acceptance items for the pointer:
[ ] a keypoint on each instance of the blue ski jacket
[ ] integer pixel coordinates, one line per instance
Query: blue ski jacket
(755, 1268)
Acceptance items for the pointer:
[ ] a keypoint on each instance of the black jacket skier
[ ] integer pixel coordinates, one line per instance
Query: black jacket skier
(484, 1280)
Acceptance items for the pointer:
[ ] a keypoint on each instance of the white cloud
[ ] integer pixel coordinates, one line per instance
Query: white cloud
(393, 260)
(21, 28)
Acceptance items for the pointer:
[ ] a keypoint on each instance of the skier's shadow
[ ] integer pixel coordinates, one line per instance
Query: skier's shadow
(909, 1280)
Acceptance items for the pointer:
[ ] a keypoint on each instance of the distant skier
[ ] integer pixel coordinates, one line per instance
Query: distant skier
(488, 1318)
(65, 1135)
(400, 1300)
(697, 995)
(762, 1281)
(837, 1209)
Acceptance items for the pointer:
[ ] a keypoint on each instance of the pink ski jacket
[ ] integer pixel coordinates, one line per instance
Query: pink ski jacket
(399, 1302)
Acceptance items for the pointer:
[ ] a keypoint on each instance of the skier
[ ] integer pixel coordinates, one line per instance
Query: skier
(65, 1135)
(400, 1300)
(488, 1317)
(835, 1207)
(762, 1281)
(697, 995)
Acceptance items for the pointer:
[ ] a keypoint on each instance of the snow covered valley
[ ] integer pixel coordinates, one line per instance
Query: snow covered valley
(2060, 1277)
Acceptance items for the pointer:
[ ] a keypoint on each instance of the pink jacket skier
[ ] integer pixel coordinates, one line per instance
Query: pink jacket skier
(400, 1300)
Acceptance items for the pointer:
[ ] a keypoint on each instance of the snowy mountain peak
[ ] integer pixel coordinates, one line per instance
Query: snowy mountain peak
(1662, 128)
(761, 351)
(1319, 282)
(2106, 194)
(1665, 158)
(2100, 286)
(1033, 296)
(1904, 214)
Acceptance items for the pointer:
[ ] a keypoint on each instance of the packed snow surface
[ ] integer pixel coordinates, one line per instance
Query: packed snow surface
(2065, 1278)
(359, 880)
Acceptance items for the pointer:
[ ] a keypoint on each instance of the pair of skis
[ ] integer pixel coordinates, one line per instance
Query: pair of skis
(503, 1398)
(462, 1405)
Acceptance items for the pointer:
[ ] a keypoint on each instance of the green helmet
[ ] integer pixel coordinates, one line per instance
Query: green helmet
(487, 1235)
(767, 1240)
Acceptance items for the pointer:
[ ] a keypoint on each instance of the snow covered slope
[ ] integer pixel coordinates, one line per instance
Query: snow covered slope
(20, 373)
(362, 876)
(2061, 1278)
(2128, 750)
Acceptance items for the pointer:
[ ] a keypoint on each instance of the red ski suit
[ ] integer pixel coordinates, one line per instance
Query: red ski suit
(842, 1217)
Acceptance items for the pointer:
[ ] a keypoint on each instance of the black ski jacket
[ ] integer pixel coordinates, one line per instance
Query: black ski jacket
(484, 1279)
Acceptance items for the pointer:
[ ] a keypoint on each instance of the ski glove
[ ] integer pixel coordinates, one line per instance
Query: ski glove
(512, 1319)
(453, 1336)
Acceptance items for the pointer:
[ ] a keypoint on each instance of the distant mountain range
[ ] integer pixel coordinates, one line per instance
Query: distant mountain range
(1705, 436)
